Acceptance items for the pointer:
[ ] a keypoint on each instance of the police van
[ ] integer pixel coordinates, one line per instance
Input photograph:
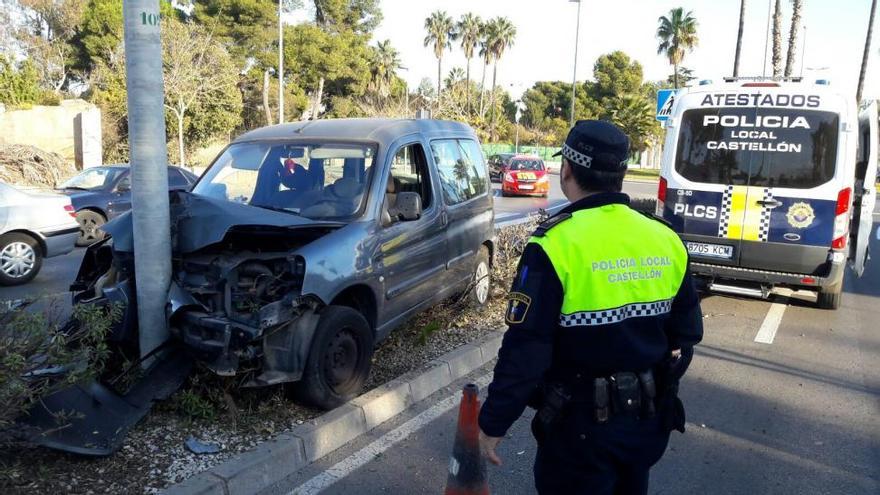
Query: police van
(770, 183)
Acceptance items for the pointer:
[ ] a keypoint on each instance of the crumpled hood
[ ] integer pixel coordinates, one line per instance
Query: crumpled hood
(199, 221)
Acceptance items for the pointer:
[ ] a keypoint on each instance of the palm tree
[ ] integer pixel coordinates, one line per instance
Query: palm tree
(797, 6)
(678, 35)
(455, 76)
(502, 32)
(386, 63)
(867, 52)
(777, 39)
(739, 37)
(486, 55)
(441, 33)
(469, 28)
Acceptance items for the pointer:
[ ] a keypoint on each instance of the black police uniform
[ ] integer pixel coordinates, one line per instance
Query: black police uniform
(576, 452)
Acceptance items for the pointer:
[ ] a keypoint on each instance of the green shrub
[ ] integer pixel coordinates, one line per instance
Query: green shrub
(38, 356)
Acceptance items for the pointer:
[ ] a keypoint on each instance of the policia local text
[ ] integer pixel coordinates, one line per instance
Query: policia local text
(646, 268)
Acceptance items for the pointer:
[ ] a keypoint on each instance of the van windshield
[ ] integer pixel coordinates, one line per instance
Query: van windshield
(765, 147)
(315, 180)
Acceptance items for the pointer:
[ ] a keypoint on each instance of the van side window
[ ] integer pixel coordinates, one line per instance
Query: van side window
(462, 169)
(409, 173)
(476, 164)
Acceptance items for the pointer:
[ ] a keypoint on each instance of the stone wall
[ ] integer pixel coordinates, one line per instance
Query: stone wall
(71, 129)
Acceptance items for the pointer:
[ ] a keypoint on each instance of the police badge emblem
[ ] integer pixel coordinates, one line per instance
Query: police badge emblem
(800, 215)
(517, 307)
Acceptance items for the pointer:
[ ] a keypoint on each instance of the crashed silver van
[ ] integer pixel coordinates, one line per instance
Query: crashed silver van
(300, 248)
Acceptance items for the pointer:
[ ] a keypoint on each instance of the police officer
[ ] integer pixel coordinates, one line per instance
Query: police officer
(603, 317)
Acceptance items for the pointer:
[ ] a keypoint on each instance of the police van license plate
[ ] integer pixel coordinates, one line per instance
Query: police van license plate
(710, 250)
(526, 187)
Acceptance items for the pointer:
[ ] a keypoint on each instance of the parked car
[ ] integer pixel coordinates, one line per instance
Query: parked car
(525, 176)
(102, 193)
(33, 226)
(498, 164)
(300, 248)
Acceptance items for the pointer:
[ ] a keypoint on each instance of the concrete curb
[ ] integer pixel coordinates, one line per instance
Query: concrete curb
(272, 461)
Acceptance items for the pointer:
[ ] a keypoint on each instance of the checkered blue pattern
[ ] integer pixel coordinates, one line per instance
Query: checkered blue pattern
(576, 157)
(764, 227)
(616, 315)
(726, 204)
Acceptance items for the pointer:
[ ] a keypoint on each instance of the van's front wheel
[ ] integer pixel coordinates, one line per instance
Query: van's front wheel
(339, 359)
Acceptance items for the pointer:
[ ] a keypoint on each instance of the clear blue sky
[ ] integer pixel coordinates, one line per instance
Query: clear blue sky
(546, 29)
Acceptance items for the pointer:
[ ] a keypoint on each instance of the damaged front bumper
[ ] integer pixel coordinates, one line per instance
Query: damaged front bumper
(233, 305)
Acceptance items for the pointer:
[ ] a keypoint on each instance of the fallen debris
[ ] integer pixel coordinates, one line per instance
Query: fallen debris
(23, 165)
(199, 447)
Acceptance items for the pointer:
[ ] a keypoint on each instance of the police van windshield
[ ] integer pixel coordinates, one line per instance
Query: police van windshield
(759, 147)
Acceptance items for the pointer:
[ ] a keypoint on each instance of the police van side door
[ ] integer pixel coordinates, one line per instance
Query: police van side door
(865, 191)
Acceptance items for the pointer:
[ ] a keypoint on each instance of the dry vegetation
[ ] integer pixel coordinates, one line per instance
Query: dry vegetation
(29, 166)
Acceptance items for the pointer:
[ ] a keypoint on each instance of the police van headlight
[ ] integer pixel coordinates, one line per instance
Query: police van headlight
(508, 177)
(543, 180)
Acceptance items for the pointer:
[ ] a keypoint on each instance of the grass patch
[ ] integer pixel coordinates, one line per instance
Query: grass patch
(643, 173)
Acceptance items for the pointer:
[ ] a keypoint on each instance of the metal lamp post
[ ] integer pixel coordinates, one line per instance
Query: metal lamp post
(280, 63)
(574, 78)
(151, 218)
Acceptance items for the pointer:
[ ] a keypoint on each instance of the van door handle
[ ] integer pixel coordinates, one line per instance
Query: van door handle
(444, 218)
(772, 203)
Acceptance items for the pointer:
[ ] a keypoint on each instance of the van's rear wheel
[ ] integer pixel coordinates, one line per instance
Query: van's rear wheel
(339, 359)
(830, 299)
(482, 281)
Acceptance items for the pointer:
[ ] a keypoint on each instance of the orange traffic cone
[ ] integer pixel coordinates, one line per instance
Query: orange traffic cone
(467, 467)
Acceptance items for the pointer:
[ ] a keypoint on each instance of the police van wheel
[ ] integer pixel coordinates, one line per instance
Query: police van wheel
(829, 299)
(482, 280)
(339, 359)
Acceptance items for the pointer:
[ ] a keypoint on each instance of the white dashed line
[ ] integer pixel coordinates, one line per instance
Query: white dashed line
(768, 329)
(351, 463)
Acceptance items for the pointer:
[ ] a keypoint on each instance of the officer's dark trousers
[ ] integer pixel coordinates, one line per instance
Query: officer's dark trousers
(578, 456)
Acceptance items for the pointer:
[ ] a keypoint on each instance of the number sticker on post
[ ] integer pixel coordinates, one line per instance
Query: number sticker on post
(710, 250)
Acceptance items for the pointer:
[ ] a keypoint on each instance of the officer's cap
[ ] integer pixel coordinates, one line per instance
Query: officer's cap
(597, 145)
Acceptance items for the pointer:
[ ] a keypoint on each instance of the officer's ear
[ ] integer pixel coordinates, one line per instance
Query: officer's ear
(565, 170)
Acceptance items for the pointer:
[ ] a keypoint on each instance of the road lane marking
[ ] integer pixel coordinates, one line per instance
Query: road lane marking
(351, 463)
(747, 447)
(768, 329)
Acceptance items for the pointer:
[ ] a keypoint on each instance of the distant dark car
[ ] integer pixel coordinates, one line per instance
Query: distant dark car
(498, 165)
(102, 193)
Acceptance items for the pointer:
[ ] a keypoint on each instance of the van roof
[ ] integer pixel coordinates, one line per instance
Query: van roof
(381, 130)
(758, 84)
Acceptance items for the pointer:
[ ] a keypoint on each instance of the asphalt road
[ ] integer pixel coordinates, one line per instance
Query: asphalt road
(512, 208)
(57, 273)
(797, 415)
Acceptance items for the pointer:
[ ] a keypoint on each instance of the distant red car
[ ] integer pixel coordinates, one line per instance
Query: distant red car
(525, 176)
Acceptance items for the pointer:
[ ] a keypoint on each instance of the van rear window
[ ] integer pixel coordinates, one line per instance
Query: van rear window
(763, 147)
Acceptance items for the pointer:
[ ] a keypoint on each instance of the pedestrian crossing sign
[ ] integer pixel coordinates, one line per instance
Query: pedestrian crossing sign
(665, 101)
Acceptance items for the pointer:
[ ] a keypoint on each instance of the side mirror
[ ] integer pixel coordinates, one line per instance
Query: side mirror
(409, 206)
(123, 187)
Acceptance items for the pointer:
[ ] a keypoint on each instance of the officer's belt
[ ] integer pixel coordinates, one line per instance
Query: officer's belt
(583, 389)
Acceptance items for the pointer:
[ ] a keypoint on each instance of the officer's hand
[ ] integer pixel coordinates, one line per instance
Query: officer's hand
(488, 445)
(676, 353)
